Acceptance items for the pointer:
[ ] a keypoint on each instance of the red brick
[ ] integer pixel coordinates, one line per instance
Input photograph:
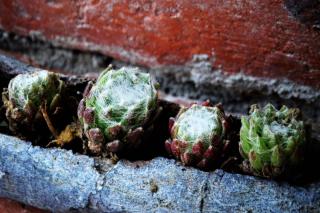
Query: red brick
(10, 206)
(257, 37)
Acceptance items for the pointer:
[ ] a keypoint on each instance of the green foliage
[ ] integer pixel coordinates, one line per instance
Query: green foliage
(272, 140)
(198, 135)
(34, 88)
(31, 99)
(119, 102)
(199, 123)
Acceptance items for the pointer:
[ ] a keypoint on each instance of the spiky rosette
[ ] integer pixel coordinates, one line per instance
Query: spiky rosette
(116, 110)
(198, 135)
(30, 99)
(272, 141)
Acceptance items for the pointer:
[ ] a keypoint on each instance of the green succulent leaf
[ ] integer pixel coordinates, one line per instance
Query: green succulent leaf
(269, 138)
(123, 97)
(255, 160)
(34, 88)
(277, 157)
(199, 135)
(29, 95)
(199, 123)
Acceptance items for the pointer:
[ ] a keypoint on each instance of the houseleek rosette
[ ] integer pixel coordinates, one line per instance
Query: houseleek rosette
(272, 141)
(198, 135)
(115, 111)
(30, 100)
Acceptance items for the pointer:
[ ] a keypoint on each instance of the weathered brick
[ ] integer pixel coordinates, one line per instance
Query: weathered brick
(257, 37)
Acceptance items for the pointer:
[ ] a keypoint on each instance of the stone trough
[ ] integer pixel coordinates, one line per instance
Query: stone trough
(59, 180)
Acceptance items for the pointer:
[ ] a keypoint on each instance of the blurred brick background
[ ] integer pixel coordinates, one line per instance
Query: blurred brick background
(10, 206)
(277, 39)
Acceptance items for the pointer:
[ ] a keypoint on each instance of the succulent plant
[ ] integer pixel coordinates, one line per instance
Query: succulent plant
(272, 141)
(198, 135)
(117, 109)
(30, 100)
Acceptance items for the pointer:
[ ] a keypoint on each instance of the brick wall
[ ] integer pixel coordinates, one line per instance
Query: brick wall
(277, 39)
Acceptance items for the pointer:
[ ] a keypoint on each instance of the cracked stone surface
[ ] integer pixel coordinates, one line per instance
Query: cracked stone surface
(58, 180)
(129, 187)
(52, 179)
(238, 193)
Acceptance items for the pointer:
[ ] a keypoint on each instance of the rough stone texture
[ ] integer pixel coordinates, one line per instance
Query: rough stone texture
(10, 68)
(58, 180)
(236, 193)
(52, 179)
(277, 39)
(198, 80)
(307, 11)
(43, 54)
(160, 185)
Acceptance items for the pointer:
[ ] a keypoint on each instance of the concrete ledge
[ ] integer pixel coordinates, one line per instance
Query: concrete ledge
(58, 180)
(53, 179)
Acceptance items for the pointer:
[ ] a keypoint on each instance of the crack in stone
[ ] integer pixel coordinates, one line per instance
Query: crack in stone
(203, 193)
(102, 167)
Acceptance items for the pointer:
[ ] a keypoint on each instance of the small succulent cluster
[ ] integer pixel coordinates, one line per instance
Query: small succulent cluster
(117, 109)
(30, 100)
(272, 141)
(198, 135)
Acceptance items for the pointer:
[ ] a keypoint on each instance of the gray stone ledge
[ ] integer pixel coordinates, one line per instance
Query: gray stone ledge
(59, 181)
